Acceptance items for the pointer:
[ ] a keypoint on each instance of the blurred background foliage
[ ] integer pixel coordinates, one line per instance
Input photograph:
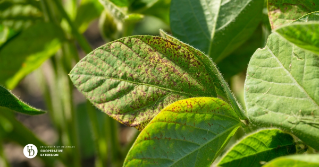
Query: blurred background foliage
(41, 41)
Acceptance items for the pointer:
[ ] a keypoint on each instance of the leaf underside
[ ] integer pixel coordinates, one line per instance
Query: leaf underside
(281, 13)
(189, 132)
(305, 160)
(133, 78)
(261, 146)
(282, 89)
(215, 27)
(8, 100)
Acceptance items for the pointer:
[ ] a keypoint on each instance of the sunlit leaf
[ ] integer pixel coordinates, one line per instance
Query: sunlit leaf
(28, 51)
(304, 35)
(213, 26)
(281, 89)
(8, 100)
(283, 12)
(295, 160)
(190, 132)
(133, 78)
(261, 146)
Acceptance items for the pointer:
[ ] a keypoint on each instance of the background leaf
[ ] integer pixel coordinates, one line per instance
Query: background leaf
(237, 61)
(281, 89)
(87, 12)
(304, 35)
(20, 14)
(19, 59)
(286, 11)
(213, 26)
(133, 78)
(8, 100)
(189, 132)
(314, 16)
(159, 9)
(295, 160)
(261, 146)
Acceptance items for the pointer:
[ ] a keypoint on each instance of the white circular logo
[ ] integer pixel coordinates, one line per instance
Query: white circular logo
(30, 151)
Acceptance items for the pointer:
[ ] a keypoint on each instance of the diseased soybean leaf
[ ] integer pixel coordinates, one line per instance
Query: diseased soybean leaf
(314, 16)
(87, 12)
(133, 78)
(304, 35)
(286, 11)
(28, 51)
(281, 89)
(216, 27)
(306, 160)
(20, 14)
(221, 85)
(190, 132)
(261, 146)
(10, 101)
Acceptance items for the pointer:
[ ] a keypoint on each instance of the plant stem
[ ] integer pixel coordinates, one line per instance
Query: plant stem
(99, 141)
(115, 145)
(76, 34)
(3, 161)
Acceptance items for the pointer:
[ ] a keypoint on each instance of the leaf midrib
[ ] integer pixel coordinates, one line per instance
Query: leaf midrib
(139, 83)
(267, 150)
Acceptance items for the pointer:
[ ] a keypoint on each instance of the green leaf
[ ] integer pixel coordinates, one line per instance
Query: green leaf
(215, 27)
(20, 14)
(314, 16)
(116, 12)
(221, 85)
(28, 51)
(287, 11)
(189, 132)
(86, 13)
(304, 35)
(237, 61)
(159, 9)
(8, 100)
(139, 5)
(122, 3)
(281, 89)
(295, 160)
(133, 78)
(261, 146)
(5, 34)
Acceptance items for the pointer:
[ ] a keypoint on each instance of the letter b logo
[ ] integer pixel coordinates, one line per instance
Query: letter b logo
(30, 151)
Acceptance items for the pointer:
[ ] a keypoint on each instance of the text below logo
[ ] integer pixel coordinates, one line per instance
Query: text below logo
(30, 151)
